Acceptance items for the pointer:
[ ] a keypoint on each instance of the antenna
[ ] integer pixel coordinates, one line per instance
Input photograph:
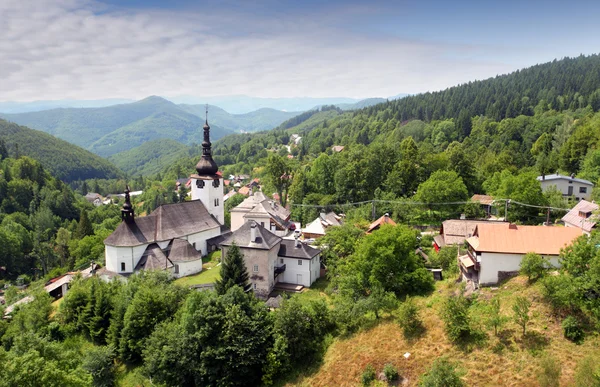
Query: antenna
(206, 113)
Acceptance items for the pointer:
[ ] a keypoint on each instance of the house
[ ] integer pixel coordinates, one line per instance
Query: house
(94, 198)
(58, 287)
(455, 232)
(495, 250)
(271, 259)
(385, 219)
(485, 201)
(245, 190)
(267, 213)
(318, 227)
(174, 236)
(582, 216)
(568, 185)
(337, 148)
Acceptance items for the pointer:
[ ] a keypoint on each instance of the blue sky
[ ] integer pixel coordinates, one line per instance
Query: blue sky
(93, 49)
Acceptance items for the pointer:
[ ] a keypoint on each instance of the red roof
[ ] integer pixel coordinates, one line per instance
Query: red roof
(244, 190)
(385, 219)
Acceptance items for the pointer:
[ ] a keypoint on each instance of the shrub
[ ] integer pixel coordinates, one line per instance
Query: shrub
(368, 375)
(390, 372)
(572, 329)
(549, 375)
(521, 312)
(533, 266)
(409, 319)
(442, 373)
(588, 373)
(455, 314)
(99, 362)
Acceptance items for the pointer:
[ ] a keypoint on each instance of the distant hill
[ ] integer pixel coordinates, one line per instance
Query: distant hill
(361, 104)
(36, 106)
(113, 129)
(255, 121)
(66, 161)
(151, 157)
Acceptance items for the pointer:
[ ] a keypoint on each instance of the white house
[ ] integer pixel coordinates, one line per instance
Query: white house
(318, 227)
(174, 236)
(568, 185)
(271, 259)
(495, 251)
(582, 216)
(266, 212)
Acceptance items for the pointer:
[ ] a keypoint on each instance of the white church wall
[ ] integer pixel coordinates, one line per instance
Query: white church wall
(183, 269)
(199, 240)
(210, 196)
(117, 256)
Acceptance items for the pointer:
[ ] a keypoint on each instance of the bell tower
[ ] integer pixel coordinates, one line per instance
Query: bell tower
(207, 183)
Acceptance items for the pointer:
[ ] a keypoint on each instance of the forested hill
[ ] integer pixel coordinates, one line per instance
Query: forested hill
(66, 161)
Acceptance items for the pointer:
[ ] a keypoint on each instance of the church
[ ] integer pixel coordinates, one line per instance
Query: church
(174, 236)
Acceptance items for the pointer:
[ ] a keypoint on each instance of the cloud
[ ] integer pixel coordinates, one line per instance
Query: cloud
(72, 49)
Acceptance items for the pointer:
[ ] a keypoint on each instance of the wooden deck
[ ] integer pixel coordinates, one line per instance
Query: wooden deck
(288, 287)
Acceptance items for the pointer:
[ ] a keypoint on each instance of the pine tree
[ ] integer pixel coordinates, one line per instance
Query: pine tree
(233, 271)
(84, 227)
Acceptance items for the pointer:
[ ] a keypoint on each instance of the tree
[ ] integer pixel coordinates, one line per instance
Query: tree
(84, 227)
(455, 314)
(533, 266)
(380, 300)
(442, 373)
(442, 187)
(233, 271)
(279, 175)
(495, 317)
(99, 362)
(521, 312)
(409, 319)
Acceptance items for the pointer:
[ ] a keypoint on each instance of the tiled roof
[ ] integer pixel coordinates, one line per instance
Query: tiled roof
(385, 219)
(167, 222)
(514, 239)
(288, 249)
(455, 231)
(182, 251)
(244, 190)
(153, 259)
(574, 218)
(242, 237)
(482, 199)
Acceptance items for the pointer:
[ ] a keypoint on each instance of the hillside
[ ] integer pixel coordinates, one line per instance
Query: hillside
(151, 157)
(361, 104)
(255, 121)
(64, 160)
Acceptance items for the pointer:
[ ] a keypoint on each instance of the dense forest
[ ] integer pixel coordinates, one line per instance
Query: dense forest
(66, 161)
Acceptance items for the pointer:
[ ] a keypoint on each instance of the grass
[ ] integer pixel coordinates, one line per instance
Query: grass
(508, 360)
(211, 271)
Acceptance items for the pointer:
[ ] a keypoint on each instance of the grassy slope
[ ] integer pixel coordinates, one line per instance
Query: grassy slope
(209, 274)
(63, 160)
(508, 361)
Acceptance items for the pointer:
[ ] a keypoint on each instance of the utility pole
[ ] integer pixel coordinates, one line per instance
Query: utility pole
(548, 217)
(373, 213)
(506, 202)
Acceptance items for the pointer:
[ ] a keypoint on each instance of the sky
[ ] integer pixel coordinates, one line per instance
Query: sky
(97, 49)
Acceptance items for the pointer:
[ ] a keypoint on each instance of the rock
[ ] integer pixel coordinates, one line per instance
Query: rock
(382, 377)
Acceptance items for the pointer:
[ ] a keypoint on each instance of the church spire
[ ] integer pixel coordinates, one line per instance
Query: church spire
(127, 212)
(206, 165)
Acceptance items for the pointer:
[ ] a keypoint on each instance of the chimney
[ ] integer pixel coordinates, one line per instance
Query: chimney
(253, 232)
(572, 175)
(297, 243)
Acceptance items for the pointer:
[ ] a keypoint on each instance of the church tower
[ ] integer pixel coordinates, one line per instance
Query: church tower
(207, 184)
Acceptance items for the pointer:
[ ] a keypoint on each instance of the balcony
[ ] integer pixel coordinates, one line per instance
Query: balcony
(279, 270)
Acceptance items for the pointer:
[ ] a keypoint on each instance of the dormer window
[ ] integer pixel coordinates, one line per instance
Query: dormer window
(583, 214)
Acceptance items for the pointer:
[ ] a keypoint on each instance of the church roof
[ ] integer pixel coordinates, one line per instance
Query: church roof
(169, 221)
(265, 239)
(288, 249)
(182, 251)
(153, 259)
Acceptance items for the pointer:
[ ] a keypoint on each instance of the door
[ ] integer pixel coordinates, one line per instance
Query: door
(299, 279)
(570, 191)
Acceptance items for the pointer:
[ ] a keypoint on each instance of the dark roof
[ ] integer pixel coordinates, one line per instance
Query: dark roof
(288, 249)
(182, 251)
(153, 259)
(169, 221)
(264, 238)
(216, 241)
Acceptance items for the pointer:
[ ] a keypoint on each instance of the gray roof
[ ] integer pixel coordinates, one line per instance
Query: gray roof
(169, 221)
(182, 251)
(265, 239)
(584, 222)
(288, 249)
(556, 176)
(153, 259)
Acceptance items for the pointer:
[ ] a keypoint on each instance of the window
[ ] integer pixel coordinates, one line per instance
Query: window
(262, 224)
(582, 189)
(176, 269)
(216, 202)
(216, 183)
(200, 183)
(122, 266)
(256, 268)
(299, 262)
(254, 286)
(281, 260)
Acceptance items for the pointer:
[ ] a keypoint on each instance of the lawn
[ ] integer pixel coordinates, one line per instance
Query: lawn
(211, 271)
(507, 360)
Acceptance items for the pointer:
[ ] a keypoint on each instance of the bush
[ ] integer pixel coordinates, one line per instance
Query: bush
(533, 266)
(368, 375)
(588, 373)
(572, 329)
(390, 372)
(99, 362)
(409, 319)
(549, 375)
(455, 314)
(442, 373)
